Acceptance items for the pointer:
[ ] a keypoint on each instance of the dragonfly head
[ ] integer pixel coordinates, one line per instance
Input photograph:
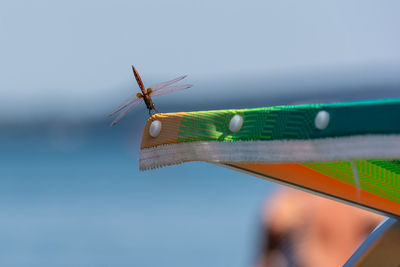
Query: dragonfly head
(149, 91)
(139, 95)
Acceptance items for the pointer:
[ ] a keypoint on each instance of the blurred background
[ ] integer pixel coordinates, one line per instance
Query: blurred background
(70, 190)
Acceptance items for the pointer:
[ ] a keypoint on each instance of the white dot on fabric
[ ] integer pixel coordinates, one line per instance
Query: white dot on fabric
(155, 128)
(235, 124)
(322, 120)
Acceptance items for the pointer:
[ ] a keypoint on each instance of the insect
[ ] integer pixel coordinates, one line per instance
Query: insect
(145, 95)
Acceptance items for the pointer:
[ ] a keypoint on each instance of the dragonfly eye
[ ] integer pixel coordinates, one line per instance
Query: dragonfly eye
(149, 91)
(139, 95)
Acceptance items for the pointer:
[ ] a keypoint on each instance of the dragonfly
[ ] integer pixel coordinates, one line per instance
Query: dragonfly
(146, 94)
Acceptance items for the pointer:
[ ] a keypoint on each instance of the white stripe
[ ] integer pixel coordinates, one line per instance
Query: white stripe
(274, 151)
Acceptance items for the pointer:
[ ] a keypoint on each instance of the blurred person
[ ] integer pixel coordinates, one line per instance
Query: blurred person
(301, 229)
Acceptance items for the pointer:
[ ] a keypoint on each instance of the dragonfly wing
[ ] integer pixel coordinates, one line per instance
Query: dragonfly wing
(165, 84)
(133, 100)
(171, 89)
(120, 116)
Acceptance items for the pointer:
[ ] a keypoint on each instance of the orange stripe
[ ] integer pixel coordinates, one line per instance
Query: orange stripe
(170, 124)
(296, 173)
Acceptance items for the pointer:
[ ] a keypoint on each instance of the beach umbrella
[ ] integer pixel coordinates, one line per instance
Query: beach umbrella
(348, 151)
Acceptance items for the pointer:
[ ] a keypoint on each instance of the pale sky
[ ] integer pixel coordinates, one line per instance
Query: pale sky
(75, 56)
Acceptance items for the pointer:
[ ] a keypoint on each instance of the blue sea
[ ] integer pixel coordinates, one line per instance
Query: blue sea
(71, 194)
